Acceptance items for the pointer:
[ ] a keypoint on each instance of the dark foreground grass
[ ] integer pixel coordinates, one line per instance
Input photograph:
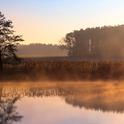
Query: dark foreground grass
(63, 70)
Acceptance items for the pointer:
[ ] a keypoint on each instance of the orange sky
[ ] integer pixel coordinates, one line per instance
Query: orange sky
(48, 21)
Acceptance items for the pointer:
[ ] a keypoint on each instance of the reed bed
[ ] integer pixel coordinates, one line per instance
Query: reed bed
(64, 70)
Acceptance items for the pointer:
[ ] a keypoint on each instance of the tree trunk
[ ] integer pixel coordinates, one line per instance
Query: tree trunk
(1, 63)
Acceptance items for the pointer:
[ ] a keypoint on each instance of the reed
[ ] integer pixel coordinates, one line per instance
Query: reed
(64, 70)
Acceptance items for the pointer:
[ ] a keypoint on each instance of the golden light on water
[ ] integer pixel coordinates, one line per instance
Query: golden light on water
(62, 102)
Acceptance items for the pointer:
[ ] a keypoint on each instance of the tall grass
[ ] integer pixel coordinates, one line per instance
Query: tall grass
(64, 70)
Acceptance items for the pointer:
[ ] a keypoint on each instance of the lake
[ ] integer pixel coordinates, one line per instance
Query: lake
(62, 103)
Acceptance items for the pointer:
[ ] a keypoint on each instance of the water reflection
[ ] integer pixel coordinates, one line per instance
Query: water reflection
(8, 112)
(103, 97)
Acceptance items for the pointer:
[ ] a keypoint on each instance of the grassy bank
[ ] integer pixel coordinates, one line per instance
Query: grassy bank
(63, 70)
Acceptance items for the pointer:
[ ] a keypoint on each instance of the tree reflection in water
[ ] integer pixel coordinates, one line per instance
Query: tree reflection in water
(8, 113)
(104, 97)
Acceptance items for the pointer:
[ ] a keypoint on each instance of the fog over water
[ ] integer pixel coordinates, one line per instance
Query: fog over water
(62, 102)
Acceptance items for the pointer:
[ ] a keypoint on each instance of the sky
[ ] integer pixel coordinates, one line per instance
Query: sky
(48, 21)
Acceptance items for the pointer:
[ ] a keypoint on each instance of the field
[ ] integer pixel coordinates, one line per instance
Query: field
(63, 70)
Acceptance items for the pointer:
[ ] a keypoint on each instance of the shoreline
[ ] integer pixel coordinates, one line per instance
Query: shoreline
(63, 71)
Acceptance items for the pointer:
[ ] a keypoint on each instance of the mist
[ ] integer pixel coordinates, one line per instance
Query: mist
(97, 43)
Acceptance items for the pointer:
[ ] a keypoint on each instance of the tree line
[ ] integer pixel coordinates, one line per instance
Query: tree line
(99, 42)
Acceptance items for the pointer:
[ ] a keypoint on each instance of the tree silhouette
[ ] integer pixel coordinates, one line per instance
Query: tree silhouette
(99, 42)
(8, 40)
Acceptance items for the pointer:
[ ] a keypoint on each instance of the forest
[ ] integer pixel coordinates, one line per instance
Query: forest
(100, 42)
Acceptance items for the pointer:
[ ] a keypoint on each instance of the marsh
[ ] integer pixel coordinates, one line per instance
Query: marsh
(62, 102)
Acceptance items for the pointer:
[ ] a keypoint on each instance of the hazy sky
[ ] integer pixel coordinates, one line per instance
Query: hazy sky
(47, 21)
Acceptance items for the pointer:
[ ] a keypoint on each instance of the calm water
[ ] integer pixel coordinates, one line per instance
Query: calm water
(62, 103)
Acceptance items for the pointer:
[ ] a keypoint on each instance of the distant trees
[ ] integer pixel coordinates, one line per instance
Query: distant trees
(41, 50)
(99, 42)
(8, 40)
